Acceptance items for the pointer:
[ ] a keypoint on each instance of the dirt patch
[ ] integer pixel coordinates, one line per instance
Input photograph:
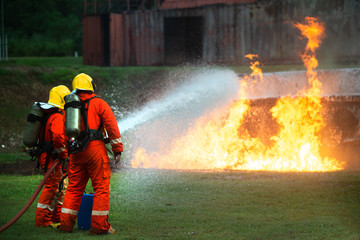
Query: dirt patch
(21, 167)
(28, 167)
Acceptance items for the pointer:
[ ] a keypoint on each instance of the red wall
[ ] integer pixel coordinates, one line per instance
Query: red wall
(93, 50)
(173, 4)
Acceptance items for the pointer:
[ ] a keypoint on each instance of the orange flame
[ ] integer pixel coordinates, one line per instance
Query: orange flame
(314, 32)
(219, 141)
(256, 71)
(254, 66)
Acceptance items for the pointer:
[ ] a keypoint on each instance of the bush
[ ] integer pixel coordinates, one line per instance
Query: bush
(59, 75)
(39, 45)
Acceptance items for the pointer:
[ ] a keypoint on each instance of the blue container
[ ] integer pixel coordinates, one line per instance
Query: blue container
(84, 214)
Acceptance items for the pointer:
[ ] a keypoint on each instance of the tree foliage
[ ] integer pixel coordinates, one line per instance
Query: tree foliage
(43, 27)
(53, 27)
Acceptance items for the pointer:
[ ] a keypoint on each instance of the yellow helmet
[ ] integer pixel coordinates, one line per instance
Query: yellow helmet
(83, 81)
(56, 96)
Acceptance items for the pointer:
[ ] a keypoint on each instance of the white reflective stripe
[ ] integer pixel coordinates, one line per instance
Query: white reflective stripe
(115, 141)
(100, 213)
(44, 206)
(41, 205)
(59, 150)
(69, 211)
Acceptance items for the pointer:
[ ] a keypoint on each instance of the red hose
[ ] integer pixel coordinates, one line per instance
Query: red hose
(31, 200)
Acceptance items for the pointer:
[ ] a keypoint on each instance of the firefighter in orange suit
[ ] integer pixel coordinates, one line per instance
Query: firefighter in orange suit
(52, 144)
(90, 159)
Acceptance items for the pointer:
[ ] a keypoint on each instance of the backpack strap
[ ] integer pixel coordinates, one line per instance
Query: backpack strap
(45, 146)
(88, 134)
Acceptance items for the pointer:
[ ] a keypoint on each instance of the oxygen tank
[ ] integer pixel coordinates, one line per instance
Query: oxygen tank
(33, 126)
(72, 115)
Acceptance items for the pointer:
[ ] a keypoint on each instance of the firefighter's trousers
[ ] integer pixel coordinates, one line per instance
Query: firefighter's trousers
(91, 163)
(50, 201)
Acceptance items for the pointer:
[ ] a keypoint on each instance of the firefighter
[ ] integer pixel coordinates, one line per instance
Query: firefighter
(89, 158)
(52, 145)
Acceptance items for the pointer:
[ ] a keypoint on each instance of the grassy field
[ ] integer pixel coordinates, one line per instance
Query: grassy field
(149, 204)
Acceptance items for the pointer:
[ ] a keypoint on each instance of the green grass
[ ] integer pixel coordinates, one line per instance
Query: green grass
(54, 69)
(45, 61)
(147, 204)
(12, 157)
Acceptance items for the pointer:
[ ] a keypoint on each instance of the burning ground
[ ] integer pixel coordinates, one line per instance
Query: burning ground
(219, 138)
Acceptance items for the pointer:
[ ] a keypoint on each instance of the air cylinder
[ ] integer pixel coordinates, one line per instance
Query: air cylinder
(72, 115)
(33, 126)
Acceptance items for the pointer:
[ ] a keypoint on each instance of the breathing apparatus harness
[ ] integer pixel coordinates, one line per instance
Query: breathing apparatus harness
(80, 143)
(42, 145)
(38, 145)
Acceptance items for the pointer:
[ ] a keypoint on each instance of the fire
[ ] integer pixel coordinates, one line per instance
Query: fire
(254, 66)
(256, 73)
(220, 141)
(314, 32)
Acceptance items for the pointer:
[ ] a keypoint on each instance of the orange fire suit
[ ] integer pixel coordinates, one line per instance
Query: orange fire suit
(49, 206)
(93, 162)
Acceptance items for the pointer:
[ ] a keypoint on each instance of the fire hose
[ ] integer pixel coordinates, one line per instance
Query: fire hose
(31, 200)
